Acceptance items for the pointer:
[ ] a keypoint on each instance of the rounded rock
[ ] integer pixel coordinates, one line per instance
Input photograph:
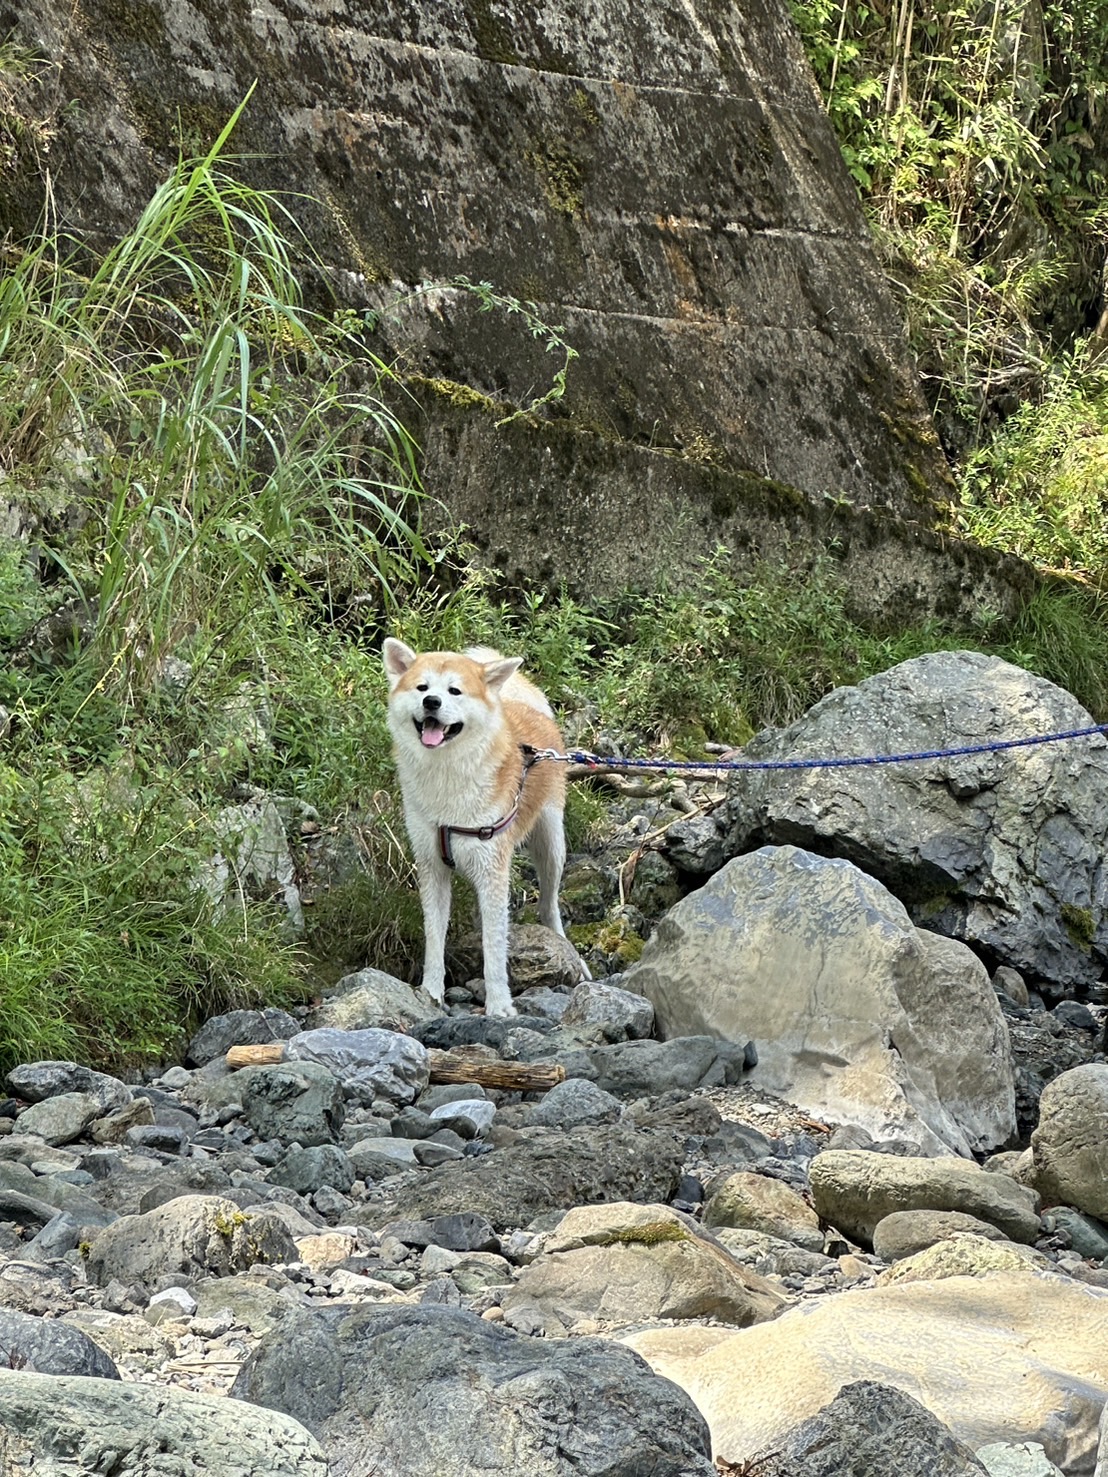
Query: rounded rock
(1070, 1145)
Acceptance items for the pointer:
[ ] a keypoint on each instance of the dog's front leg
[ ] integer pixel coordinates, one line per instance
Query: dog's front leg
(493, 886)
(434, 894)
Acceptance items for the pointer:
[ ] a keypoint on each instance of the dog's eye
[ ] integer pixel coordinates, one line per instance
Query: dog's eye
(421, 687)
(454, 691)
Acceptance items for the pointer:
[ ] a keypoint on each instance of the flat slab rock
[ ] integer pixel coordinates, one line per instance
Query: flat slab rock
(70, 1425)
(544, 1170)
(1009, 1356)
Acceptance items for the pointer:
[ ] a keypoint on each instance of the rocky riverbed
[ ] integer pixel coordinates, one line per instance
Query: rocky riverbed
(654, 1266)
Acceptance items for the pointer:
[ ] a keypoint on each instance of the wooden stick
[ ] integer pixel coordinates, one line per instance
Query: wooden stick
(445, 1068)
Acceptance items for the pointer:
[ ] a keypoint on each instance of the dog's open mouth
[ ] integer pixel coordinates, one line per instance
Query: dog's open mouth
(432, 733)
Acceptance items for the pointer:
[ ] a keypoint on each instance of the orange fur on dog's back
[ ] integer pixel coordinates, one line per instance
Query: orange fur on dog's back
(546, 779)
(460, 721)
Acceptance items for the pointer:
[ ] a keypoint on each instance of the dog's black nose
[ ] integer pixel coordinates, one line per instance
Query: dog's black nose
(431, 704)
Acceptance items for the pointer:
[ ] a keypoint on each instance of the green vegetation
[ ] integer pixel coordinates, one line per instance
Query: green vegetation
(1038, 486)
(1080, 924)
(975, 137)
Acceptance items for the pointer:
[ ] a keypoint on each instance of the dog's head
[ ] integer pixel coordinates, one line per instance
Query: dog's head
(437, 697)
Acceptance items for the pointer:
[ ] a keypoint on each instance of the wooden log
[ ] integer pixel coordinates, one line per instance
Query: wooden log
(512, 1076)
(266, 1055)
(445, 1068)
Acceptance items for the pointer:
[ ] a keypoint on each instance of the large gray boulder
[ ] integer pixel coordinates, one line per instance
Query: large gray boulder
(49, 1346)
(615, 1014)
(51, 1193)
(650, 1068)
(1002, 850)
(239, 1028)
(1070, 1145)
(369, 998)
(62, 1118)
(194, 1236)
(34, 1082)
(370, 1063)
(438, 1392)
(69, 1425)
(858, 1016)
(872, 1430)
(295, 1101)
(574, 1102)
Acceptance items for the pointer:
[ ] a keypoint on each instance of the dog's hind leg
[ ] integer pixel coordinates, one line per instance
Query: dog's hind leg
(546, 847)
(434, 894)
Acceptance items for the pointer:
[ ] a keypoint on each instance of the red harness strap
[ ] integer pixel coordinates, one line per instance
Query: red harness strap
(486, 833)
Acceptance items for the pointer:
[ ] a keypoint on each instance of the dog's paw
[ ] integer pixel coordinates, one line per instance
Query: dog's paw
(436, 989)
(500, 1009)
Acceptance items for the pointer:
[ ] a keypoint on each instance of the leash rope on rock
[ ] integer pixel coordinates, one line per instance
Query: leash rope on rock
(698, 766)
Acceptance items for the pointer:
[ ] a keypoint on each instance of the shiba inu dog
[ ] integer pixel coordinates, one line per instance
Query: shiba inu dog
(462, 724)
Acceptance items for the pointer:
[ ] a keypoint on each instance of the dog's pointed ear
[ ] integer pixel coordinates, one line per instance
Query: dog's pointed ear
(397, 658)
(498, 672)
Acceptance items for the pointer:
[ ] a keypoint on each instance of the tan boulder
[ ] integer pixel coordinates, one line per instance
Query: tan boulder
(964, 1256)
(628, 1263)
(757, 1202)
(855, 1189)
(1012, 1356)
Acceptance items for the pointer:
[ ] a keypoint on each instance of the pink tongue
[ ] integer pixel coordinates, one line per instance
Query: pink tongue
(431, 734)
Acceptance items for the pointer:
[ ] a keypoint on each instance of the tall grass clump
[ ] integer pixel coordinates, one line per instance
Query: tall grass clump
(239, 446)
(214, 473)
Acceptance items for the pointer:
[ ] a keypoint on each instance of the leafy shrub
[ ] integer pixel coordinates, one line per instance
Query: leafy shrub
(1040, 487)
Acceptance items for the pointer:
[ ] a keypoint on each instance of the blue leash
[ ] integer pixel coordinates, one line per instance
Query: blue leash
(665, 766)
